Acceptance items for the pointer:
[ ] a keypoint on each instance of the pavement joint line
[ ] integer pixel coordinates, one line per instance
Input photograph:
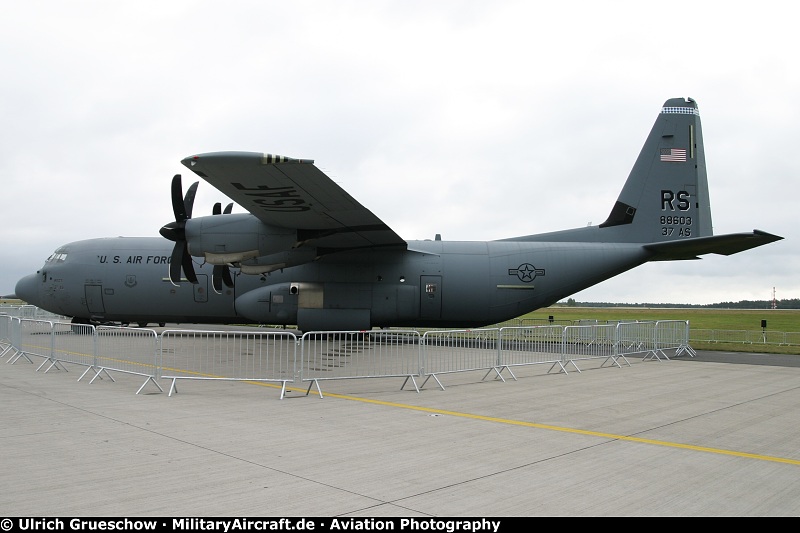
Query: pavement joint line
(610, 436)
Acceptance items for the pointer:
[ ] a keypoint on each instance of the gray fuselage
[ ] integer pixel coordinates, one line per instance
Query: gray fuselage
(432, 284)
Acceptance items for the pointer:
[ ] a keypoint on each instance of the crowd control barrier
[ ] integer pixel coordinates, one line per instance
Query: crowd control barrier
(228, 355)
(280, 359)
(330, 355)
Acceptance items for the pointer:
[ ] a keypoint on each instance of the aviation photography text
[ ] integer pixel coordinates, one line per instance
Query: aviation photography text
(229, 525)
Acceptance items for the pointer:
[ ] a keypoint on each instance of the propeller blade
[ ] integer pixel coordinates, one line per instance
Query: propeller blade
(221, 274)
(178, 207)
(182, 205)
(227, 279)
(216, 278)
(218, 209)
(188, 200)
(172, 231)
(175, 264)
(188, 266)
(176, 231)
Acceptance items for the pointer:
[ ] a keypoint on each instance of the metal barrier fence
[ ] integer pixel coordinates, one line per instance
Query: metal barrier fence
(281, 357)
(673, 335)
(76, 344)
(33, 338)
(532, 345)
(636, 337)
(228, 355)
(28, 311)
(5, 335)
(327, 355)
(461, 350)
(590, 342)
(128, 350)
(9, 336)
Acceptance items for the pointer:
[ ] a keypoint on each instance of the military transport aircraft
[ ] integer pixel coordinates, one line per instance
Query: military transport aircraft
(307, 253)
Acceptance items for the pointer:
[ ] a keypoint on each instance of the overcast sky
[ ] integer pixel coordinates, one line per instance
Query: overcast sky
(474, 119)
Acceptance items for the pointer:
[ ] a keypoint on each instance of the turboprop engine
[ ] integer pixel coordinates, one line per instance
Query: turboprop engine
(234, 238)
(224, 239)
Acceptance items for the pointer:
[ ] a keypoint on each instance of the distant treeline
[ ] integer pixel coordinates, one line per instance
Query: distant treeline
(793, 303)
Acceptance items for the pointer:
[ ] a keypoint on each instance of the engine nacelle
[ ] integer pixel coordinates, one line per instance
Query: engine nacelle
(232, 238)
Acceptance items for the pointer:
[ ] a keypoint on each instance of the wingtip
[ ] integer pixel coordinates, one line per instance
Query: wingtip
(766, 235)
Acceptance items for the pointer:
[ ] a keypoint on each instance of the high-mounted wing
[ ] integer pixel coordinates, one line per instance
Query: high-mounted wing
(293, 193)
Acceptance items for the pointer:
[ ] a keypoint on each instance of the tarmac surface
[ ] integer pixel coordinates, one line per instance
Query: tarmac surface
(717, 435)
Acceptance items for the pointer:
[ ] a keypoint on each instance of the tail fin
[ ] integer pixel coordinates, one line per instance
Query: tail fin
(664, 204)
(666, 195)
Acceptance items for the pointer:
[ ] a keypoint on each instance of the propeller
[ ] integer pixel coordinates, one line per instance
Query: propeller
(176, 231)
(221, 273)
(217, 210)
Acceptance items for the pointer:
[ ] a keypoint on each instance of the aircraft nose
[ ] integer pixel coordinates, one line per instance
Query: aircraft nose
(27, 289)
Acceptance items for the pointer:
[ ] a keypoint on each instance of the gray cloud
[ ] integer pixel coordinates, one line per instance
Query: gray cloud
(470, 119)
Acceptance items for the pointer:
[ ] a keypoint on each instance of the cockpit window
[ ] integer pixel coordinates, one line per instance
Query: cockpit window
(57, 257)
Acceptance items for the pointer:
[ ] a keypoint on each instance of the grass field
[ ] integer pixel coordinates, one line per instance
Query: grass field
(777, 320)
(786, 320)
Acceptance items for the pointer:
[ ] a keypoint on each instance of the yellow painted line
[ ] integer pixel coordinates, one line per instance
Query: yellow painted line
(611, 436)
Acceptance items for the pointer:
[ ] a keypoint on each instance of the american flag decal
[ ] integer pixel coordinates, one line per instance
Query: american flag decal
(673, 154)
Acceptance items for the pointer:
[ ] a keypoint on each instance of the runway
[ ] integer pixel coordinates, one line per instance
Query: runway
(657, 438)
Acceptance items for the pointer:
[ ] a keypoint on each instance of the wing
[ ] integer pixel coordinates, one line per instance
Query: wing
(293, 193)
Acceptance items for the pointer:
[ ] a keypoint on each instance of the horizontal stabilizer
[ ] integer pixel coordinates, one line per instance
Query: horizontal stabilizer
(717, 244)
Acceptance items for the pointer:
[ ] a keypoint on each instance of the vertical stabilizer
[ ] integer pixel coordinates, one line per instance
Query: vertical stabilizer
(666, 195)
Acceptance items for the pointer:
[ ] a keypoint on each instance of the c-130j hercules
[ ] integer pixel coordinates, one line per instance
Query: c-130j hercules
(307, 253)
